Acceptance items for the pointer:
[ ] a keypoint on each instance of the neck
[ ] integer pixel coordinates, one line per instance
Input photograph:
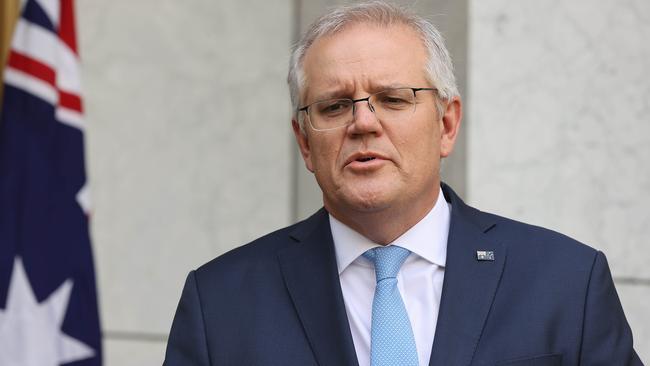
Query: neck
(383, 226)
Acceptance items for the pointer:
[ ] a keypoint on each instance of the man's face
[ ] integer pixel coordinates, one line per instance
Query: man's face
(404, 174)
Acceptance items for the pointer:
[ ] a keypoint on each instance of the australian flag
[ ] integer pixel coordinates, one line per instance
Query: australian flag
(48, 301)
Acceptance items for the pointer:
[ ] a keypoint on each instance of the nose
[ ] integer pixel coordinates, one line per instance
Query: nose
(364, 119)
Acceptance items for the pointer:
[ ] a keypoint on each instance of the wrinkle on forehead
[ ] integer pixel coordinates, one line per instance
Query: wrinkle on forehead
(340, 89)
(363, 59)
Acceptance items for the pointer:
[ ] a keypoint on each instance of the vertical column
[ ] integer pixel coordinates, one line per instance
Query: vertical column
(560, 134)
(188, 139)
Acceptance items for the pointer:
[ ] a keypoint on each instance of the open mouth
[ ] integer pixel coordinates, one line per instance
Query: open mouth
(363, 160)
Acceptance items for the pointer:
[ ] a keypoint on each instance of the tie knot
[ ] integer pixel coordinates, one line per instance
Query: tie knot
(387, 260)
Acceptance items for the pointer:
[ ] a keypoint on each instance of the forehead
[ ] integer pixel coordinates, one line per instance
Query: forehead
(362, 58)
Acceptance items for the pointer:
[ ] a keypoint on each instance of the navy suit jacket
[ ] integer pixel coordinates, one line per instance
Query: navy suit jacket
(544, 300)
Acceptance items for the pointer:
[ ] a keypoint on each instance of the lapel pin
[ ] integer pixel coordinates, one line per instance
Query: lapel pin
(484, 255)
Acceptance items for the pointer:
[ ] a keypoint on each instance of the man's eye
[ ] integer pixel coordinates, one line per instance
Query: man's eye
(333, 108)
(394, 102)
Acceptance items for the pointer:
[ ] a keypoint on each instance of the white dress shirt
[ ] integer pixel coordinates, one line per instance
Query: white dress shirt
(419, 279)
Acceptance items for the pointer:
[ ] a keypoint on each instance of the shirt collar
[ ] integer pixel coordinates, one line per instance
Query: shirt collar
(427, 238)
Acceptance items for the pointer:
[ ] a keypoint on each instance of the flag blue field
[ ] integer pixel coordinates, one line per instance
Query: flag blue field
(48, 300)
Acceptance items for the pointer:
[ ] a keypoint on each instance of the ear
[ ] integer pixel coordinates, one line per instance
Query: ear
(303, 144)
(449, 126)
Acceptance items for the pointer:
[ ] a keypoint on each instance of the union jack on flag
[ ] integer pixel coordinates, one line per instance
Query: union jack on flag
(48, 301)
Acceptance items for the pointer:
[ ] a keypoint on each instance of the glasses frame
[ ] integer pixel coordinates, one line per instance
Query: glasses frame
(306, 108)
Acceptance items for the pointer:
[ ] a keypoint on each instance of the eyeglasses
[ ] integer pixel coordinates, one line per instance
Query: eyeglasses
(388, 105)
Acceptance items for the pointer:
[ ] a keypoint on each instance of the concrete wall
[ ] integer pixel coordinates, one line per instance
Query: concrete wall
(560, 133)
(190, 152)
(188, 149)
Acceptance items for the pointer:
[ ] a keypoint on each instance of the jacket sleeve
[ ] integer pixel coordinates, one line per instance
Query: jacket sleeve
(606, 335)
(187, 344)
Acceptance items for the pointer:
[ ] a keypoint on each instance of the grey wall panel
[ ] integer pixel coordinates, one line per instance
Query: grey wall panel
(188, 146)
(559, 98)
(560, 134)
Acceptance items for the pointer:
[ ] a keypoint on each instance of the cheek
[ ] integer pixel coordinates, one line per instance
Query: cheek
(324, 155)
(420, 146)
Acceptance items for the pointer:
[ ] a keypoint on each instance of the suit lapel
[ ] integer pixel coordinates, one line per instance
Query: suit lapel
(469, 286)
(310, 274)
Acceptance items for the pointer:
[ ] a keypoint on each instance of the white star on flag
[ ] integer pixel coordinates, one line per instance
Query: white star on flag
(30, 333)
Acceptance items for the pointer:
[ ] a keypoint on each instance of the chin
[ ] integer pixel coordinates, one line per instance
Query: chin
(368, 199)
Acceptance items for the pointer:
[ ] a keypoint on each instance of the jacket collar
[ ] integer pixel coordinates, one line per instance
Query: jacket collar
(310, 274)
(469, 286)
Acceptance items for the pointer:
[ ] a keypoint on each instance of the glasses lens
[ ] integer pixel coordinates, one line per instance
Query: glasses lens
(393, 104)
(330, 113)
(388, 105)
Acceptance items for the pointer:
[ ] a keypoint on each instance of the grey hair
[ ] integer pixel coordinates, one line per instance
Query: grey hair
(439, 68)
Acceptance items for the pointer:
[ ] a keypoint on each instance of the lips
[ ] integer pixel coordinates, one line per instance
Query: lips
(364, 157)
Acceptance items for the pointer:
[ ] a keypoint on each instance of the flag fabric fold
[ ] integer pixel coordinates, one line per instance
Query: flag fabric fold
(48, 300)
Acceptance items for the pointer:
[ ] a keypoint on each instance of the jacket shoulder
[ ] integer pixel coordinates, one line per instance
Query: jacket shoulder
(545, 252)
(517, 235)
(259, 254)
(529, 236)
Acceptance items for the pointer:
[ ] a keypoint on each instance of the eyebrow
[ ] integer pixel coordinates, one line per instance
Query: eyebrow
(333, 94)
(344, 92)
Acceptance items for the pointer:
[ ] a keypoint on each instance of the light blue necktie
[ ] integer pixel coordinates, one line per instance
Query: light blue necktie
(391, 338)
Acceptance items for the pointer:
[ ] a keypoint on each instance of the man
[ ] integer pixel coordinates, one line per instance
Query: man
(396, 269)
